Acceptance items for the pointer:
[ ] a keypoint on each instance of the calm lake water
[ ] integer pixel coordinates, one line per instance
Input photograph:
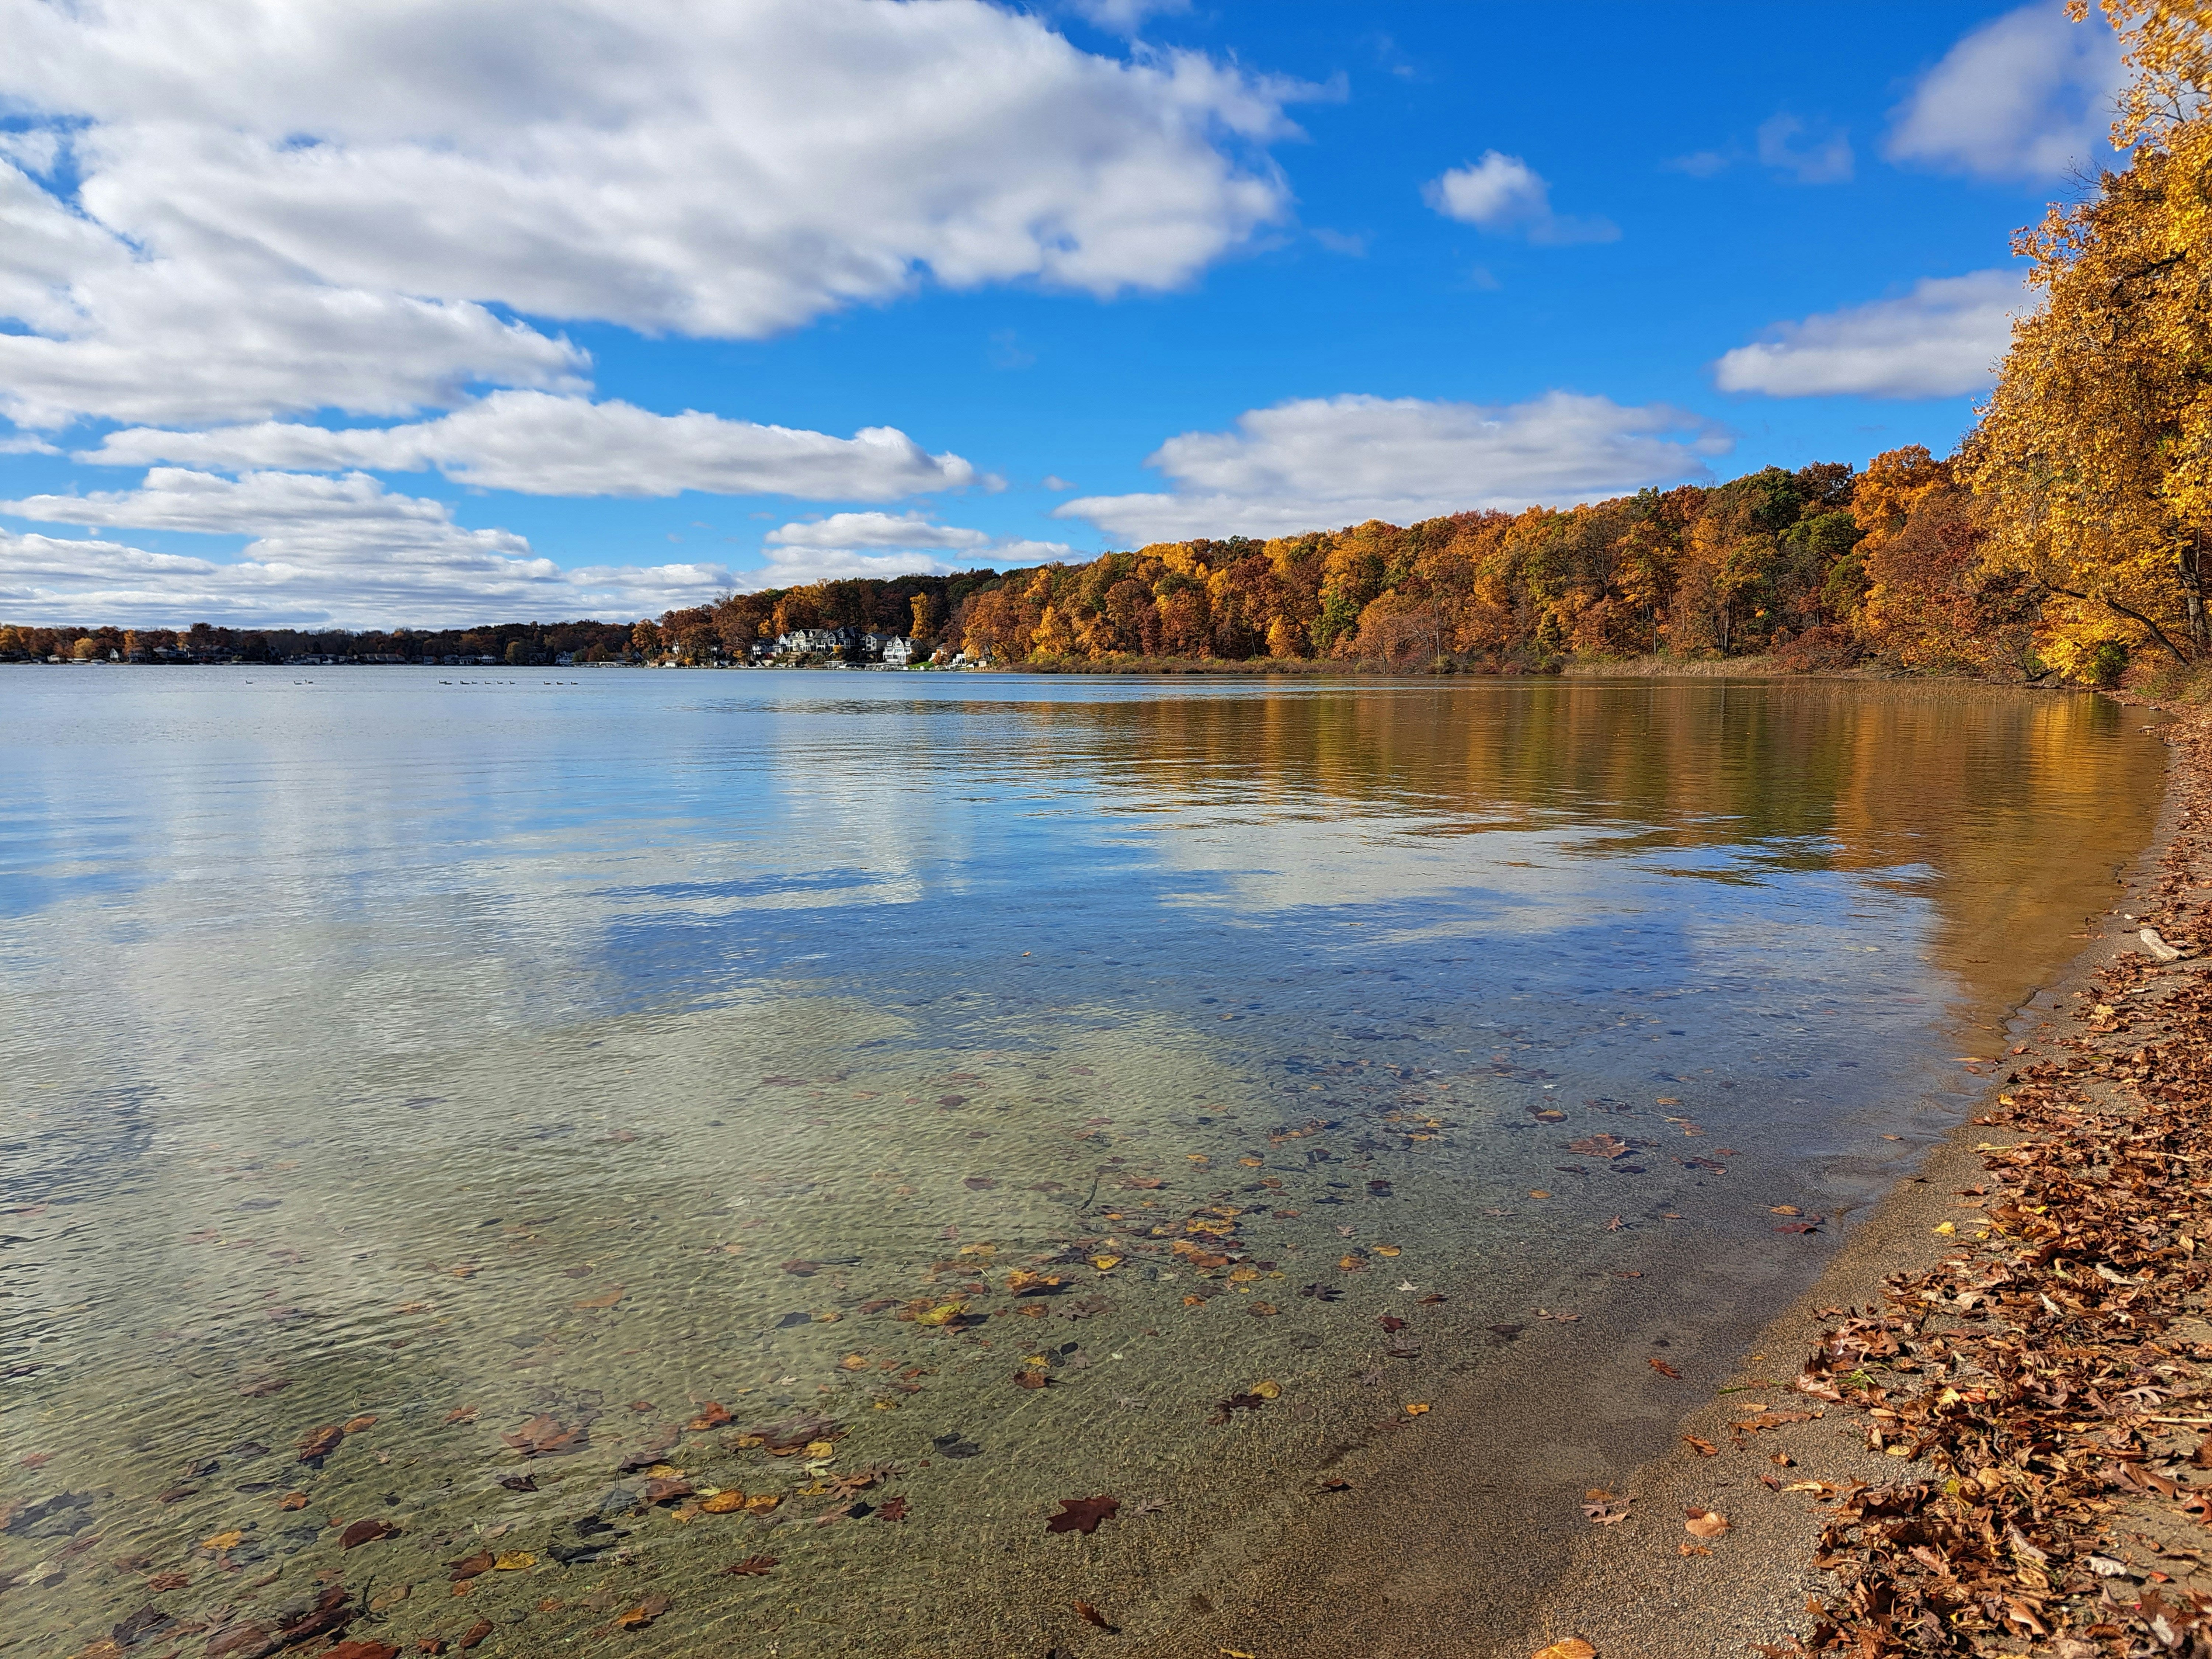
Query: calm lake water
(875, 1109)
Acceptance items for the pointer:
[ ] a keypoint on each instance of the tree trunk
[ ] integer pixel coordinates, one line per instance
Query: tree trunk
(2192, 559)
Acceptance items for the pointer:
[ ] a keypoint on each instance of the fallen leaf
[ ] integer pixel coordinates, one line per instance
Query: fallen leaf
(1572, 1647)
(1703, 1447)
(1091, 1615)
(365, 1532)
(1082, 1515)
(1269, 1390)
(321, 1443)
(221, 1540)
(1538, 1192)
(893, 1508)
(469, 1566)
(292, 1500)
(723, 1502)
(474, 1634)
(516, 1561)
(1692, 1549)
(714, 1413)
(542, 1436)
(1783, 1209)
(753, 1566)
(1705, 1524)
(666, 1490)
(643, 1613)
(360, 1648)
(605, 1299)
(462, 1414)
(356, 1424)
(1417, 1410)
(1662, 1366)
(168, 1581)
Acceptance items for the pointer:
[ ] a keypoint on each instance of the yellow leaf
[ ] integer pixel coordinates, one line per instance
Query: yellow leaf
(1268, 1390)
(855, 1362)
(762, 1502)
(1388, 1250)
(820, 1449)
(516, 1561)
(1105, 1263)
(724, 1502)
(1538, 1192)
(1947, 1229)
(943, 1313)
(604, 1299)
(1416, 1411)
(221, 1540)
(1572, 1647)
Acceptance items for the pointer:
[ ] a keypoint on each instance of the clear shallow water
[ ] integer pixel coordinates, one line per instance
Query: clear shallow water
(565, 1064)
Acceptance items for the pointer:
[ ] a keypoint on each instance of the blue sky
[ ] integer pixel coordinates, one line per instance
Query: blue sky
(377, 313)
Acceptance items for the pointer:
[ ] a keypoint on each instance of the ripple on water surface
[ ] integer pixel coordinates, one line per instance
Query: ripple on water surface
(696, 1159)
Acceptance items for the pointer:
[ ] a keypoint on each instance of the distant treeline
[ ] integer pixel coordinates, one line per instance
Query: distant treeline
(1819, 567)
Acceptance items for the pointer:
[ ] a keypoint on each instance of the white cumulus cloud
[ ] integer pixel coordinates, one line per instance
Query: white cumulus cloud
(887, 544)
(278, 209)
(1503, 193)
(539, 444)
(325, 552)
(1941, 340)
(1318, 463)
(2026, 95)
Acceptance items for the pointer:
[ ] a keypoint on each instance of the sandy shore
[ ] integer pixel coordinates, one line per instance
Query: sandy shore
(1465, 1534)
(1631, 1592)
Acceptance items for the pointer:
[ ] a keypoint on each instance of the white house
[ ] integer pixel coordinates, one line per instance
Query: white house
(803, 640)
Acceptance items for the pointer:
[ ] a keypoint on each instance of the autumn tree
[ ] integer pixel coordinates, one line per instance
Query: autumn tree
(2092, 462)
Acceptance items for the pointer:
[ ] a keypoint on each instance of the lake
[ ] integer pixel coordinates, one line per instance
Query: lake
(668, 1163)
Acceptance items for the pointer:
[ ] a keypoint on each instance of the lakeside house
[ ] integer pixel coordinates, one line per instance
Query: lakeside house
(889, 649)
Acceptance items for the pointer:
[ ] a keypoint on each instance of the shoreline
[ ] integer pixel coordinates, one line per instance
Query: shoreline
(1631, 1590)
(1466, 1535)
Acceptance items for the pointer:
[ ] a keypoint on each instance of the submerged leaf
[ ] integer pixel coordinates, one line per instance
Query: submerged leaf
(1082, 1515)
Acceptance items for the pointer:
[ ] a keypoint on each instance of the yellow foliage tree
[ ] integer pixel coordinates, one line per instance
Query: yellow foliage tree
(2092, 462)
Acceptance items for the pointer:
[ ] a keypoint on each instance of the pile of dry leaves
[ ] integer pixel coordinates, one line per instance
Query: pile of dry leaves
(2052, 1389)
